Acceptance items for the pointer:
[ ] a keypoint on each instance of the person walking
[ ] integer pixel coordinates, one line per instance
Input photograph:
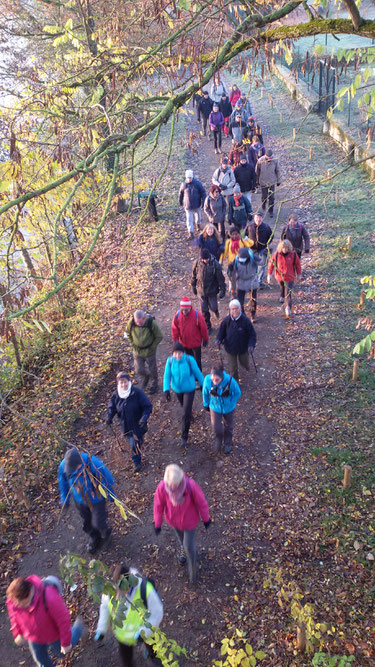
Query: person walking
(141, 610)
(181, 501)
(133, 409)
(238, 111)
(297, 234)
(231, 249)
(38, 615)
(245, 268)
(236, 127)
(216, 121)
(191, 196)
(250, 130)
(245, 177)
(268, 174)
(239, 210)
(234, 95)
(217, 88)
(236, 154)
(255, 152)
(204, 108)
(215, 207)
(246, 106)
(211, 241)
(226, 109)
(261, 235)
(220, 396)
(207, 281)
(181, 372)
(223, 176)
(79, 476)
(144, 336)
(190, 329)
(287, 267)
(238, 336)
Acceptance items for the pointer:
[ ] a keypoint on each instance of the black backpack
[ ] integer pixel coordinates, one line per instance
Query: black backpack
(144, 582)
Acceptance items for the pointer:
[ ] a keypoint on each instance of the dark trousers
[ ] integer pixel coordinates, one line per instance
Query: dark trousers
(253, 300)
(286, 292)
(146, 368)
(135, 443)
(195, 352)
(94, 519)
(268, 195)
(220, 226)
(234, 359)
(186, 401)
(217, 138)
(204, 122)
(126, 654)
(209, 302)
(222, 426)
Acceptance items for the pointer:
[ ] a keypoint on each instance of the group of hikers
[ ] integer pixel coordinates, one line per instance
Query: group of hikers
(36, 608)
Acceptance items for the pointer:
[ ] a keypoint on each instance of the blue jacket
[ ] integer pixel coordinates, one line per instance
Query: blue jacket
(191, 195)
(181, 375)
(239, 215)
(79, 484)
(219, 403)
(236, 335)
(212, 244)
(130, 411)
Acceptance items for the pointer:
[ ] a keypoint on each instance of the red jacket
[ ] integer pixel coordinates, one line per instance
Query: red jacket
(286, 266)
(185, 516)
(234, 97)
(189, 330)
(43, 621)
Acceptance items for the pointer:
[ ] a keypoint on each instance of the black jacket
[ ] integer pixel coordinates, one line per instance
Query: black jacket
(207, 278)
(297, 235)
(253, 156)
(225, 107)
(245, 177)
(130, 411)
(204, 107)
(236, 335)
(261, 236)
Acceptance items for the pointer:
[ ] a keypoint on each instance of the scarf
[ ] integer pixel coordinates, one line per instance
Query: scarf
(237, 199)
(176, 496)
(124, 394)
(234, 246)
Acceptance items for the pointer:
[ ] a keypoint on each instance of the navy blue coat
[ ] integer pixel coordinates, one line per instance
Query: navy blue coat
(130, 411)
(236, 335)
(192, 195)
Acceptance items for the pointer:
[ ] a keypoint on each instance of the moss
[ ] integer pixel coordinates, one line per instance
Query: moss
(317, 27)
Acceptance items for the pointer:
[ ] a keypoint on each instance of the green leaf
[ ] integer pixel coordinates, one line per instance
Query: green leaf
(260, 655)
(102, 491)
(342, 92)
(357, 80)
(366, 97)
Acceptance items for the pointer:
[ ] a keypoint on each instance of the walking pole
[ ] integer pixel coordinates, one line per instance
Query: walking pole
(116, 439)
(255, 366)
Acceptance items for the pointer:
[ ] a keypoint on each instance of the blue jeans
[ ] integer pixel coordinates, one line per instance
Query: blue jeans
(135, 444)
(40, 651)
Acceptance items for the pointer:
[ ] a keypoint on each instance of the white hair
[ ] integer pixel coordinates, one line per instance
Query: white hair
(173, 475)
(234, 304)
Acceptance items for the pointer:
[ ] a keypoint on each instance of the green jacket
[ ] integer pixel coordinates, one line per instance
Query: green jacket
(144, 340)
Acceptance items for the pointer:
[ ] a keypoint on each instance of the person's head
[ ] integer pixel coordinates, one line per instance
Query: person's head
(234, 87)
(237, 191)
(234, 233)
(189, 175)
(177, 350)
(292, 221)
(20, 592)
(243, 160)
(243, 255)
(73, 460)
(205, 94)
(243, 97)
(224, 163)
(215, 107)
(223, 95)
(238, 117)
(255, 140)
(251, 121)
(284, 247)
(269, 154)
(173, 476)
(123, 380)
(120, 570)
(205, 256)
(238, 104)
(217, 78)
(140, 318)
(217, 375)
(185, 305)
(258, 218)
(238, 145)
(215, 191)
(235, 308)
(210, 230)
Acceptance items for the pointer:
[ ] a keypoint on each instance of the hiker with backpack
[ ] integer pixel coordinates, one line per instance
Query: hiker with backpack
(217, 88)
(181, 372)
(268, 176)
(224, 178)
(287, 267)
(144, 336)
(133, 409)
(211, 241)
(38, 615)
(190, 329)
(215, 207)
(231, 249)
(139, 606)
(191, 196)
(245, 268)
(181, 501)
(220, 396)
(79, 476)
(297, 234)
(239, 209)
(238, 337)
(204, 108)
(245, 177)
(260, 234)
(216, 121)
(207, 281)
(226, 109)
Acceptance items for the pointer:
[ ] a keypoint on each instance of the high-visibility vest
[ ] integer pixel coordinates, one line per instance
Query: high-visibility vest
(134, 619)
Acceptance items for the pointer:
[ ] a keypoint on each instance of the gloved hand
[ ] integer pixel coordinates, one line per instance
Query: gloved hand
(251, 349)
(167, 395)
(157, 530)
(66, 649)
(195, 291)
(143, 427)
(269, 279)
(205, 343)
(278, 184)
(19, 640)
(207, 523)
(221, 295)
(98, 636)
(207, 407)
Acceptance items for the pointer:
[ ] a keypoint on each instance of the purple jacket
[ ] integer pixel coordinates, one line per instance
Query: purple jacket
(216, 120)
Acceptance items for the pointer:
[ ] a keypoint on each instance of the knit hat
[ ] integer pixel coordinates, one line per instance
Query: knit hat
(234, 303)
(244, 253)
(205, 92)
(216, 370)
(268, 152)
(251, 118)
(189, 173)
(237, 188)
(185, 302)
(122, 376)
(205, 254)
(223, 94)
(243, 158)
(177, 347)
(72, 460)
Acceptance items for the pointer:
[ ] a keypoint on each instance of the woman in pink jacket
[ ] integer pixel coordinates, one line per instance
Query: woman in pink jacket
(181, 501)
(38, 615)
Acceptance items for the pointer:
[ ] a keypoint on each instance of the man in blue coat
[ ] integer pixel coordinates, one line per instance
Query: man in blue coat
(191, 196)
(220, 395)
(238, 336)
(133, 409)
(79, 476)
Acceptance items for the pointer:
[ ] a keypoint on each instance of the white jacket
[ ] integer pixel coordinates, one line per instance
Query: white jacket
(226, 180)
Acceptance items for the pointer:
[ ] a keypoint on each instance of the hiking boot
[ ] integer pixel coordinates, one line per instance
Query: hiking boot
(183, 442)
(219, 150)
(228, 449)
(288, 311)
(154, 389)
(190, 236)
(145, 382)
(217, 446)
(107, 537)
(216, 151)
(217, 314)
(137, 467)
(281, 300)
(181, 556)
(253, 319)
(93, 544)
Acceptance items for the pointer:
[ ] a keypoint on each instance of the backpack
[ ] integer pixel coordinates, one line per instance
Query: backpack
(144, 582)
(294, 260)
(55, 583)
(150, 319)
(196, 314)
(187, 357)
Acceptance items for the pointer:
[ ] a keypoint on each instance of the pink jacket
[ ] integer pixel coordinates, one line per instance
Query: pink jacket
(185, 516)
(35, 623)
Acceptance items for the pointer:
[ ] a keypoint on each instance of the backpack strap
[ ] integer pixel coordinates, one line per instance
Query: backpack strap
(144, 592)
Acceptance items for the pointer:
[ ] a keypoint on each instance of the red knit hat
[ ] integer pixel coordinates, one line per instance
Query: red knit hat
(185, 302)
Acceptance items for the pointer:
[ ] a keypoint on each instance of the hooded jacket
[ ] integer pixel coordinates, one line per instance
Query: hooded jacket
(185, 516)
(297, 236)
(225, 179)
(246, 272)
(189, 329)
(80, 486)
(207, 278)
(191, 195)
(239, 215)
(144, 340)
(236, 335)
(268, 171)
(180, 374)
(245, 177)
(286, 266)
(261, 235)
(215, 209)
(44, 621)
(204, 107)
(217, 402)
(131, 411)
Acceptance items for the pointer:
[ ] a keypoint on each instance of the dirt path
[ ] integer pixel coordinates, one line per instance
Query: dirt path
(236, 486)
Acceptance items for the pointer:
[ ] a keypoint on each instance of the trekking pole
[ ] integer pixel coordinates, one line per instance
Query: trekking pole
(116, 439)
(255, 366)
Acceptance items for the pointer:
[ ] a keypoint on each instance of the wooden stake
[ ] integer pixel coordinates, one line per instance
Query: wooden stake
(355, 375)
(271, 102)
(329, 173)
(349, 243)
(294, 134)
(301, 637)
(310, 154)
(337, 198)
(347, 477)
(281, 117)
(261, 92)
(362, 299)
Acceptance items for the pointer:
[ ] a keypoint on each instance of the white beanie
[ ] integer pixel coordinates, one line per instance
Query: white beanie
(189, 173)
(234, 303)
